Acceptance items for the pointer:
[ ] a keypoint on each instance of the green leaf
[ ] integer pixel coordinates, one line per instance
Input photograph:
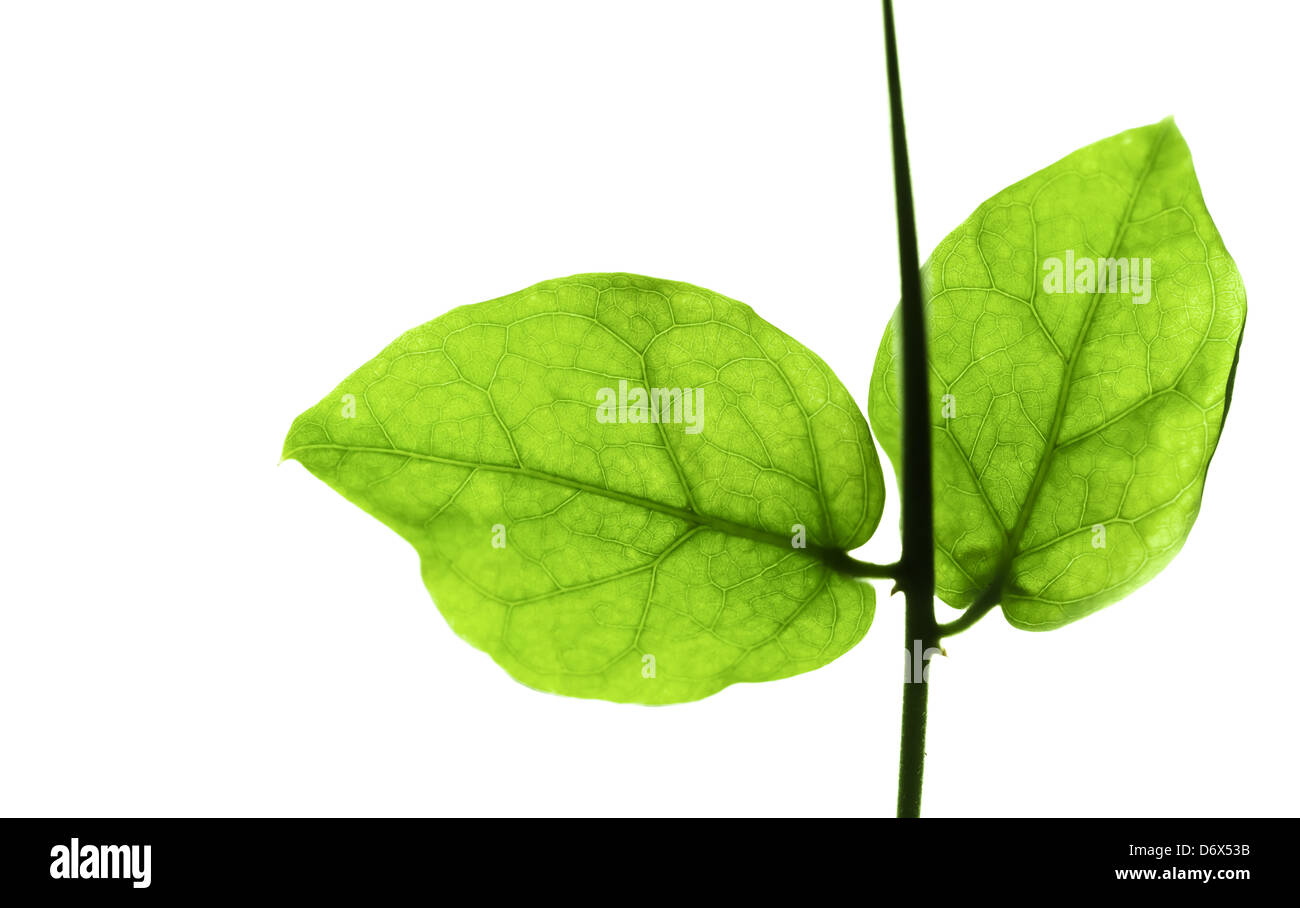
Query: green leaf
(1079, 422)
(648, 562)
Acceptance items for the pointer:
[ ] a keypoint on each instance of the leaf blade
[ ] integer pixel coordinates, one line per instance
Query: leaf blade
(1049, 394)
(483, 417)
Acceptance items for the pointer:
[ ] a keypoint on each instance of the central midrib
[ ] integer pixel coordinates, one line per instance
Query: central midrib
(831, 556)
(1062, 398)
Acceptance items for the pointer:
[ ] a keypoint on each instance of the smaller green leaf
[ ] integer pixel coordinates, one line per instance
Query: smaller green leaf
(1074, 416)
(622, 558)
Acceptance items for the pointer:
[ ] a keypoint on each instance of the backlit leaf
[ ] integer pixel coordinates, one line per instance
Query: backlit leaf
(649, 562)
(1073, 424)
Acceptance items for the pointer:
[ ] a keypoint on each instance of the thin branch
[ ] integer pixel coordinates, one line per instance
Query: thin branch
(917, 579)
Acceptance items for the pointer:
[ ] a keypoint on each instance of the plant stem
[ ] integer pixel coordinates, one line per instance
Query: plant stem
(973, 613)
(855, 568)
(916, 577)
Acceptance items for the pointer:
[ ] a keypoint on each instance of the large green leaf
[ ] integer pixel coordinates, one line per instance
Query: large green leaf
(1072, 426)
(574, 549)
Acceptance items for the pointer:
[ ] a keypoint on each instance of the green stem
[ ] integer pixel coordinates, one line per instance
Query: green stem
(972, 614)
(854, 568)
(917, 563)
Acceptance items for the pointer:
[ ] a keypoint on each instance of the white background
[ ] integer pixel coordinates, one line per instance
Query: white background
(210, 213)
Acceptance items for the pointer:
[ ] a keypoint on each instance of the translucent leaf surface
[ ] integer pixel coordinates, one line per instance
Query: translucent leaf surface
(1073, 424)
(648, 562)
